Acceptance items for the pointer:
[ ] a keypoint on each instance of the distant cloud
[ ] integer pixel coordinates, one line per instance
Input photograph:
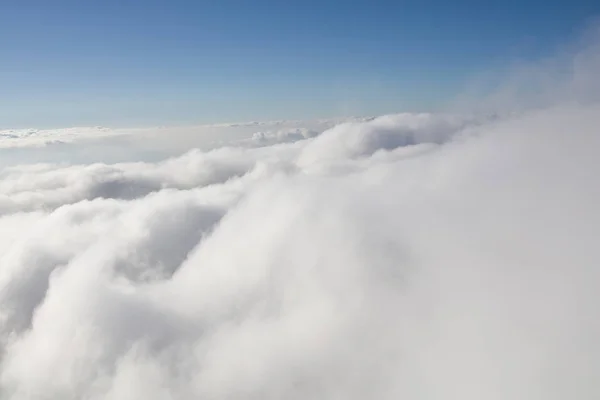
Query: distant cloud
(11, 138)
(284, 130)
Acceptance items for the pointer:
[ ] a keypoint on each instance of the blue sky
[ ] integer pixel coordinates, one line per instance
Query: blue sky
(146, 62)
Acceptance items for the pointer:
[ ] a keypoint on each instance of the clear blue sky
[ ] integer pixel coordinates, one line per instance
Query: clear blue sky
(145, 62)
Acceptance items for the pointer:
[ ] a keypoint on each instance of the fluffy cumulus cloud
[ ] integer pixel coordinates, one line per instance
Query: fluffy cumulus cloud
(407, 256)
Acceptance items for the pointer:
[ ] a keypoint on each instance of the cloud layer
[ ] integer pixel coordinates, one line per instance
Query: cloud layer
(116, 145)
(406, 256)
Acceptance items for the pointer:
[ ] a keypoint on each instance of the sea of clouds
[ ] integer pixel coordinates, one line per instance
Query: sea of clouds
(409, 256)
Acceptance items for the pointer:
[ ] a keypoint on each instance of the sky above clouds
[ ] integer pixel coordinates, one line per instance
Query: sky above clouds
(438, 256)
(442, 255)
(139, 63)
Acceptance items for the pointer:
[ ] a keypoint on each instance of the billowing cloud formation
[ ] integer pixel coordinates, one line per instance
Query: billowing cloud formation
(408, 256)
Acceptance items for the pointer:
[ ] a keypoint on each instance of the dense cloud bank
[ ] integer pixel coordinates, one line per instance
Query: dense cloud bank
(367, 262)
(407, 256)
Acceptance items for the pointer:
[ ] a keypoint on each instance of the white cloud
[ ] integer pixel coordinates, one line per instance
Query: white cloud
(15, 138)
(117, 145)
(406, 256)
